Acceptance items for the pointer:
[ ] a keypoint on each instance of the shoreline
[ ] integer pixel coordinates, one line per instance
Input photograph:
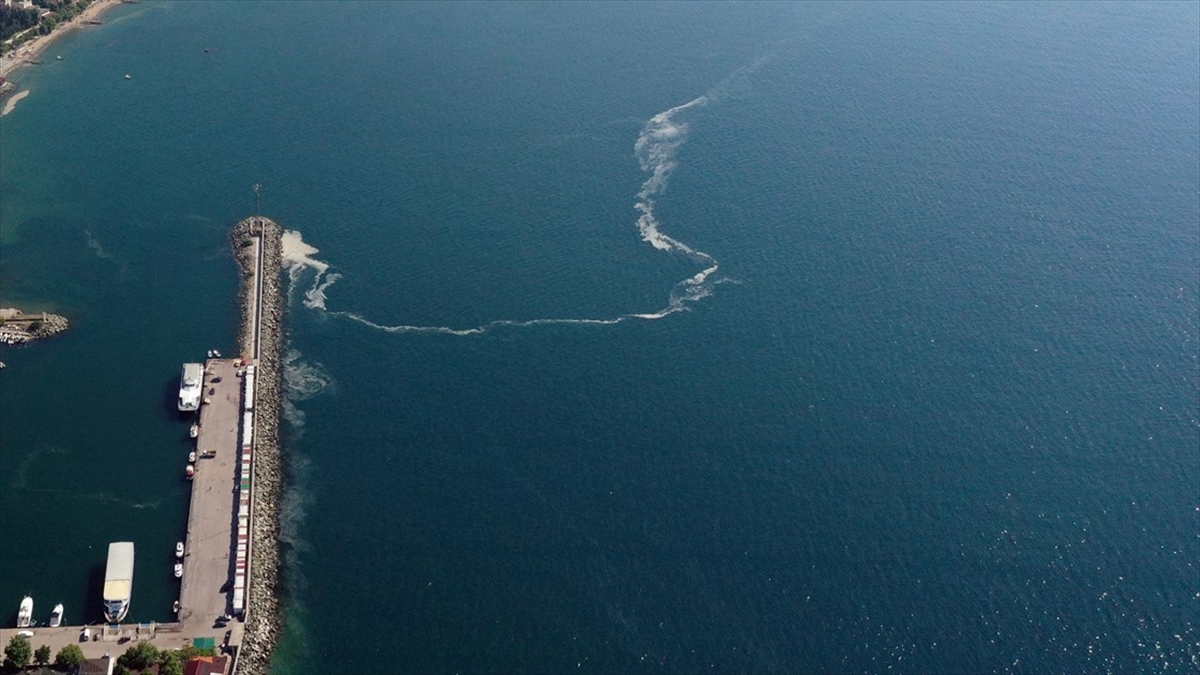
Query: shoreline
(33, 48)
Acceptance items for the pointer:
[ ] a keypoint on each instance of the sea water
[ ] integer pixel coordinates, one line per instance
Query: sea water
(635, 337)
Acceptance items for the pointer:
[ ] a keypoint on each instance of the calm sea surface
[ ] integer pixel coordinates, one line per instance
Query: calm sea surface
(647, 338)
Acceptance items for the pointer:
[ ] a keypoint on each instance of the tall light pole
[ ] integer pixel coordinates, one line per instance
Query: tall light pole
(257, 208)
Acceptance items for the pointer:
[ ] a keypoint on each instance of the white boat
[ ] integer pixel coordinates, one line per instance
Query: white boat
(25, 614)
(190, 472)
(192, 457)
(118, 581)
(56, 616)
(179, 549)
(178, 570)
(194, 431)
(128, 76)
(190, 384)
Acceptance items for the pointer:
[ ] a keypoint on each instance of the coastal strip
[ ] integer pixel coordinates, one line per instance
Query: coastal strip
(30, 50)
(257, 248)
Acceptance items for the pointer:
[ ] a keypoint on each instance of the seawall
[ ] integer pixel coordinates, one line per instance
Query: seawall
(263, 612)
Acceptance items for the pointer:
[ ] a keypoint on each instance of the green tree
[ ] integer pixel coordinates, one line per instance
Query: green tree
(13, 20)
(42, 655)
(139, 657)
(171, 663)
(17, 653)
(69, 657)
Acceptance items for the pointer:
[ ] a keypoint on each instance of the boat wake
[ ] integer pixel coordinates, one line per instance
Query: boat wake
(656, 149)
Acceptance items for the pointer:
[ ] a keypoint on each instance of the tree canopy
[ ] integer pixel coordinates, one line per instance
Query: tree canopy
(69, 657)
(18, 653)
(139, 657)
(13, 20)
(172, 663)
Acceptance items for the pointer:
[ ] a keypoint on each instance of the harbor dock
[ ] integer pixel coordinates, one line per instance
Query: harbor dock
(210, 548)
(230, 549)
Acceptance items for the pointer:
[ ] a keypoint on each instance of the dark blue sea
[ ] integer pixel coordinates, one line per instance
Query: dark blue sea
(635, 337)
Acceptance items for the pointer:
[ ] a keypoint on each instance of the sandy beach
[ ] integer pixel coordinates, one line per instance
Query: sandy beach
(30, 50)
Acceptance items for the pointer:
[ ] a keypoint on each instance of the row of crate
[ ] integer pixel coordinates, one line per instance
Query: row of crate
(242, 558)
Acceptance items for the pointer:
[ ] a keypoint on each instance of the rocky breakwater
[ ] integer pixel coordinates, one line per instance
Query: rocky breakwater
(16, 327)
(263, 611)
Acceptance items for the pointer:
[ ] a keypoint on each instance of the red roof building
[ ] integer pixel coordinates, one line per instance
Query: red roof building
(206, 665)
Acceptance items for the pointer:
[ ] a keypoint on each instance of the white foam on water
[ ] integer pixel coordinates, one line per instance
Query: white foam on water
(445, 330)
(656, 149)
(297, 258)
(302, 380)
(293, 416)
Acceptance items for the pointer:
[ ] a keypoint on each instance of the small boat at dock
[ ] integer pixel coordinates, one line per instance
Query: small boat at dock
(190, 471)
(25, 614)
(179, 549)
(178, 570)
(56, 616)
(194, 431)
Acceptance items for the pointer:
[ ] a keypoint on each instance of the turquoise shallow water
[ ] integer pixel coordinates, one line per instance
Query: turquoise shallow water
(938, 411)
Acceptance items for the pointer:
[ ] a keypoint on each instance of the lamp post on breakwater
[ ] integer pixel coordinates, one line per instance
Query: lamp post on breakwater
(257, 208)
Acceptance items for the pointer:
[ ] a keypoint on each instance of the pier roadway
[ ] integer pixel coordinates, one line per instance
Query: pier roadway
(207, 568)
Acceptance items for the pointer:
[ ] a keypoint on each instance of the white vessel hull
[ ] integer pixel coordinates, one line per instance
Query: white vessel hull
(118, 581)
(190, 384)
(25, 614)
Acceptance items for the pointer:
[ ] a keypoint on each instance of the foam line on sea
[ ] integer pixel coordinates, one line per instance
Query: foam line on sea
(656, 148)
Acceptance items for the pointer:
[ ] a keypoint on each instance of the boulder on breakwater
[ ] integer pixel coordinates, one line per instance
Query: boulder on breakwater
(16, 327)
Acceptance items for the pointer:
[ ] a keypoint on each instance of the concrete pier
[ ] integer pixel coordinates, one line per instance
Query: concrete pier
(208, 547)
(236, 488)
(205, 592)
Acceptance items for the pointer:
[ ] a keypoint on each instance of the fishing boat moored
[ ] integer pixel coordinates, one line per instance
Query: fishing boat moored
(25, 613)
